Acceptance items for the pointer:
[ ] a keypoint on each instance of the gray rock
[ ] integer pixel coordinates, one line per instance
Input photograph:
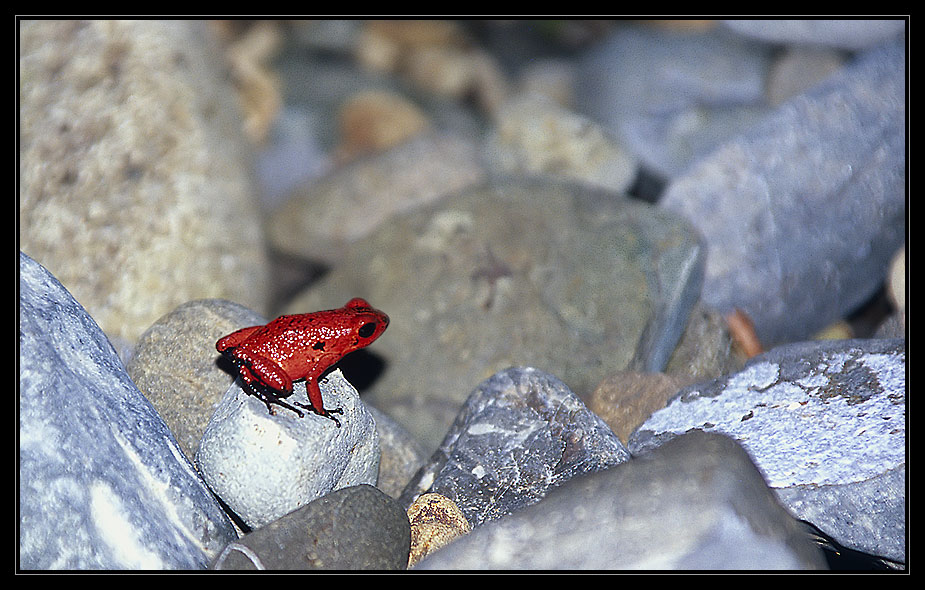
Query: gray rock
(265, 465)
(826, 424)
(802, 214)
(516, 273)
(355, 528)
(671, 97)
(401, 455)
(135, 189)
(845, 34)
(102, 482)
(698, 502)
(325, 215)
(520, 434)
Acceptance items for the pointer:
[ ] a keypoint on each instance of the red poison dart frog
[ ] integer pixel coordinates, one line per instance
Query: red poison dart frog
(292, 347)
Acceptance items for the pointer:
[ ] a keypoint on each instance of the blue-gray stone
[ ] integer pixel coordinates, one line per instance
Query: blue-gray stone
(850, 34)
(672, 97)
(802, 214)
(826, 424)
(102, 481)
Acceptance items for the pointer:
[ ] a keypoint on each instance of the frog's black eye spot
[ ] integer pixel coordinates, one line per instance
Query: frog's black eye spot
(367, 330)
(319, 345)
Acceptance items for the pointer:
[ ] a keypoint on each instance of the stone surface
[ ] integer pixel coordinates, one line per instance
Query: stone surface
(265, 465)
(324, 216)
(850, 34)
(355, 528)
(672, 97)
(520, 434)
(576, 282)
(826, 424)
(135, 188)
(828, 166)
(102, 481)
(696, 503)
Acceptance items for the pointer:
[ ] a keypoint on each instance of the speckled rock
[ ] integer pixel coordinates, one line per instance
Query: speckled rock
(435, 522)
(265, 465)
(520, 434)
(826, 424)
(355, 528)
(135, 189)
(102, 482)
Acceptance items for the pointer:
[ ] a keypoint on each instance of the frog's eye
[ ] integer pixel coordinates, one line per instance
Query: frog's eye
(367, 330)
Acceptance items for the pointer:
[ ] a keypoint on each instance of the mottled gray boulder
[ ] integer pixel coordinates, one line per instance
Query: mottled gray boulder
(826, 424)
(102, 481)
(574, 281)
(520, 434)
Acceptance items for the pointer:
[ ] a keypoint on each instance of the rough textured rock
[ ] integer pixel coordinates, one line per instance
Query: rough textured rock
(520, 433)
(135, 189)
(826, 424)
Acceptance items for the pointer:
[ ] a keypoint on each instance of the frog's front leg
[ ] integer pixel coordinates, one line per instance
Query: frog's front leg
(317, 402)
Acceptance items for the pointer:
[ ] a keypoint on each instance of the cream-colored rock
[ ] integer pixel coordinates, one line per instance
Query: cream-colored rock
(135, 189)
(435, 521)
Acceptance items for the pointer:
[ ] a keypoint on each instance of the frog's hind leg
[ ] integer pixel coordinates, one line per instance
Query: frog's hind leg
(268, 398)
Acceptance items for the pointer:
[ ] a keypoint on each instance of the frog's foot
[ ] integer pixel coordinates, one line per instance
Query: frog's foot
(268, 398)
(323, 412)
